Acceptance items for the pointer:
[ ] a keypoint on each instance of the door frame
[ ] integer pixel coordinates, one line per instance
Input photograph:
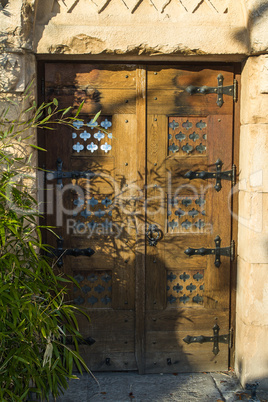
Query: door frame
(142, 163)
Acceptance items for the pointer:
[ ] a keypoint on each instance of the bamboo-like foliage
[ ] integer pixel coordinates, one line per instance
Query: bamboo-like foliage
(35, 319)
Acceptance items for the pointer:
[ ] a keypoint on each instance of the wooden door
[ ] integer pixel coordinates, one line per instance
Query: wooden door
(186, 296)
(143, 300)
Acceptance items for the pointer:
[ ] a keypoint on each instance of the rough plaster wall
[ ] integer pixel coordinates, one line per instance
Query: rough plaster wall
(179, 28)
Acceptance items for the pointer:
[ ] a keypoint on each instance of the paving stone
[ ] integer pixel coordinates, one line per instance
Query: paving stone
(125, 387)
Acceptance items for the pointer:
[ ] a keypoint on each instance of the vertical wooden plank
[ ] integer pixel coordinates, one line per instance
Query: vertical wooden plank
(235, 206)
(140, 219)
(156, 203)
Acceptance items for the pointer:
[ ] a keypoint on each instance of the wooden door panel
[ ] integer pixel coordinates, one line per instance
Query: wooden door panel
(66, 77)
(162, 77)
(186, 133)
(99, 207)
(143, 300)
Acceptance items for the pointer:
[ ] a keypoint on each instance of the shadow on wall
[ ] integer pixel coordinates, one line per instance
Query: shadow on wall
(254, 16)
(251, 382)
(3, 4)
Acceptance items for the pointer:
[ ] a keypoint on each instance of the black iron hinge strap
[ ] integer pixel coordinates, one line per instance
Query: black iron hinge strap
(60, 252)
(220, 90)
(218, 175)
(217, 251)
(59, 174)
(216, 339)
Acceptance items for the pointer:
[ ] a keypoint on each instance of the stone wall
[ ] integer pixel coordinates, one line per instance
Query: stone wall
(141, 27)
(183, 30)
(252, 283)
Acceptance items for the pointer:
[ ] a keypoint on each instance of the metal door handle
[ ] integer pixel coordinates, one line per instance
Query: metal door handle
(153, 235)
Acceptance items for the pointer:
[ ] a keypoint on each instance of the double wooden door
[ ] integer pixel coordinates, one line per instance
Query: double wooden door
(149, 302)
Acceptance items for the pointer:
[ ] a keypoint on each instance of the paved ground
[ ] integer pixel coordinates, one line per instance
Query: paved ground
(125, 387)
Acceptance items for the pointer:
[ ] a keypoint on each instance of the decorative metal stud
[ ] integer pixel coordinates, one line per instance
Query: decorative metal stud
(93, 202)
(99, 289)
(200, 201)
(78, 124)
(179, 212)
(186, 224)
(99, 213)
(173, 224)
(201, 124)
(171, 299)
(92, 300)
(193, 212)
(171, 277)
(187, 148)
(106, 201)
(200, 148)
(199, 224)
(79, 300)
(106, 147)
(86, 289)
(106, 124)
(198, 299)
(79, 202)
(92, 147)
(173, 148)
(106, 278)
(180, 136)
(187, 124)
(173, 125)
(184, 277)
(184, 299)
(85, 135)
(78, 147)
(99, 135)
(186, 202)
(85, 213)
(92, 124)
(106, 300)
(79, 278)
(92, 278)
(191, 287)
(194, 136)
(198, 276)
(177, 288)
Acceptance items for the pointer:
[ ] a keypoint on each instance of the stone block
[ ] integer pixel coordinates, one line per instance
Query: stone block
(252, 293)
(12, 72)
(254, 88)
(252, 232)
(135, 27)
(252, 212)
(257, 24)
(253, 164)
(251, 353)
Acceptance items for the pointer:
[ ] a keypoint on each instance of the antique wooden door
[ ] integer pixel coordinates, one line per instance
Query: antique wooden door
(124, 194)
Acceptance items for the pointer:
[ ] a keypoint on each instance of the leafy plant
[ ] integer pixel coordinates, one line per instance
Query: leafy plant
(35, 319)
